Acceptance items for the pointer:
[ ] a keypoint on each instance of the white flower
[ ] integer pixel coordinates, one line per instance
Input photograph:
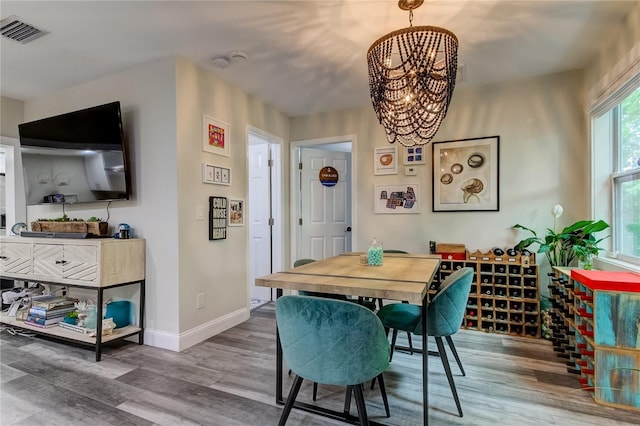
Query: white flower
(557, 211)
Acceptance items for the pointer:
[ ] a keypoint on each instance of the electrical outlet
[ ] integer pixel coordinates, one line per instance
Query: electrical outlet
(200, 301)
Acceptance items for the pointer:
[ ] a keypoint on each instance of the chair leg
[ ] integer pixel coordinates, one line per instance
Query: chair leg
(455, 353)
(447, 370)
(315, 390)
(393, 343)
(347, 400)
(383, 391)
(362, 409)
(293, 393)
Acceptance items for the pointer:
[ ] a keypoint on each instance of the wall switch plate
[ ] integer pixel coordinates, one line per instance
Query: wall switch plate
(199, 212)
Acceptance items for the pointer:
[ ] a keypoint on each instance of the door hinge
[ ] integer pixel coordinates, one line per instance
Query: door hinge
(270, 163)
(272, 221)
(299, 166)
(300, 221)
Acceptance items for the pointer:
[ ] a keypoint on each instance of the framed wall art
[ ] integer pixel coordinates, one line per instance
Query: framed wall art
(466, 175)
(414, 155)
(400, 198)
(216, 174)
(215, 136)
(217, 218)
(385, 161)
(236, 212)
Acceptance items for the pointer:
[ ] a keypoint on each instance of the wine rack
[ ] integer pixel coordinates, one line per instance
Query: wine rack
(504, 295)
(597, 330)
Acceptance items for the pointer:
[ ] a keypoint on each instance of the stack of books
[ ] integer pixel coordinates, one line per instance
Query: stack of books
(49, 311)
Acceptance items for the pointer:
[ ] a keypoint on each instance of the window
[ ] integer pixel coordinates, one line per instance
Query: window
(616, 147)
(626, 176)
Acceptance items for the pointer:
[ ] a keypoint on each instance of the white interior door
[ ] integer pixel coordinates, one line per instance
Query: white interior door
(325, 211)
(260, 246)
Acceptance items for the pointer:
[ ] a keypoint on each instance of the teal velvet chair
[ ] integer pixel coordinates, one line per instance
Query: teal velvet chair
(332, 342)
(370, 305)
(444, 317)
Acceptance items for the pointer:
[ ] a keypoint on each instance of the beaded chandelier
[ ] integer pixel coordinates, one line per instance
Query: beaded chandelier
(412, 74)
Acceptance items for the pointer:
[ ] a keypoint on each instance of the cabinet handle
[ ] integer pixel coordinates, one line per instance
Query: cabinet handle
(3, 257)
(60, 262)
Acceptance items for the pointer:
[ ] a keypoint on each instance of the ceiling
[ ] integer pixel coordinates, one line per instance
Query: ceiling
(305, 56)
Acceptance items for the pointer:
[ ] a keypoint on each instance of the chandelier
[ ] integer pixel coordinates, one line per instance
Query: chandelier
(412, 74)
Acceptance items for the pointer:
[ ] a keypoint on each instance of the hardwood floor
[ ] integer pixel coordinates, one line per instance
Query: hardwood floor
(229, 380)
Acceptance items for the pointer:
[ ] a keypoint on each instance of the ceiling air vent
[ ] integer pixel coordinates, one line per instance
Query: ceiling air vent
(15, 29)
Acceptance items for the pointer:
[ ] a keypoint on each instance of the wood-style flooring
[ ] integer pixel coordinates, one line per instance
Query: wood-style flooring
(229, 380)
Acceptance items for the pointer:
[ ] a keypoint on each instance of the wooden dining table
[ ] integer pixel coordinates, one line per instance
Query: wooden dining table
(402, 277)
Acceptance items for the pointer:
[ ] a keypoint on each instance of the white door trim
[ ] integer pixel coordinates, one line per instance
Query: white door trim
(278, 249)
(295, 185)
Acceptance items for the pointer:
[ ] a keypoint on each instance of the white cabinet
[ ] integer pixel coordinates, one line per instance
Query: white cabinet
(96, 264)
(88, 262)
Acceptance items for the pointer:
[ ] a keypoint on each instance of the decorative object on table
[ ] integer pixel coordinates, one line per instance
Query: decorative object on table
(17, 228)
(414, 155)
(375, 253)
(216, 174)
(399, 198)
(93, 225)
(217, 218)
(574, 242)
(120, 311)
(71, 317)
(466, 175)
(385, 161)
(215, 136)
(236, 212)
(124, 232)
(412, 74)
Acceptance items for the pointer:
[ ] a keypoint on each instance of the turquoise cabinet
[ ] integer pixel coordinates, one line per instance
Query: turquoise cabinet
(607, 335)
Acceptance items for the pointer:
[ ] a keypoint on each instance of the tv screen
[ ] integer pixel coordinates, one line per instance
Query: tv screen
(77, 157)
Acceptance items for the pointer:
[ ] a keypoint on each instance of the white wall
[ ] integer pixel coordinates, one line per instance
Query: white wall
(543, 160)
(216, 268)
(162, 104)
(148, 101)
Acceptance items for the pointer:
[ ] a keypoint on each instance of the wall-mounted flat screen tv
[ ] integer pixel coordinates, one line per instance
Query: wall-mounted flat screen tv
(77, 157)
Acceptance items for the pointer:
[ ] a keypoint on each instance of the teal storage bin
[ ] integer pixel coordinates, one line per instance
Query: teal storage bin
(120, 311)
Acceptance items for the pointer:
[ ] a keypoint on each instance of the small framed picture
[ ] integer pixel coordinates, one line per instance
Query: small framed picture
(216, 174)
(236, 213)
(215, 136)
(414, 155)
(385, 161)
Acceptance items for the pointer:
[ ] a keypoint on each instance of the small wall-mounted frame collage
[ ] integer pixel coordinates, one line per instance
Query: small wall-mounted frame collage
(216, 174)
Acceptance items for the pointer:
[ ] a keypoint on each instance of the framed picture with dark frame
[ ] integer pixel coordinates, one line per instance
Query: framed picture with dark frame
(466, 175)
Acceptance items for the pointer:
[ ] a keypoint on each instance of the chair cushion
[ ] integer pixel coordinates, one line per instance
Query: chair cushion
(400, 316)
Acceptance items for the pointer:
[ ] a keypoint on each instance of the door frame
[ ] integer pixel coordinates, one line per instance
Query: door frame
(278, 234)
(295, 186)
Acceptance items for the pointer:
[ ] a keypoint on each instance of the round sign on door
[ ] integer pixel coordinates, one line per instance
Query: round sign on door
(328, 176)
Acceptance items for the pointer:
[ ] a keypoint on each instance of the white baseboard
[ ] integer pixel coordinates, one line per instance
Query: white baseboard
(179, 342)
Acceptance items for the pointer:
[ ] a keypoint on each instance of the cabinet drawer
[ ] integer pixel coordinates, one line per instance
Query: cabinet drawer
(76, 262)
(15, 259)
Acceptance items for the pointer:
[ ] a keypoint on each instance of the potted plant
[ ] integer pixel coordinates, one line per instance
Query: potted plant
(576, 241)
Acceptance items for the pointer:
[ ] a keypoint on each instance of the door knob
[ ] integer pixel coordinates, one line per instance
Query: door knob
(348, 229)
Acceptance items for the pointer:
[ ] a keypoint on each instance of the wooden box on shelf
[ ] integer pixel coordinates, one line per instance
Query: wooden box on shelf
(93, 228)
